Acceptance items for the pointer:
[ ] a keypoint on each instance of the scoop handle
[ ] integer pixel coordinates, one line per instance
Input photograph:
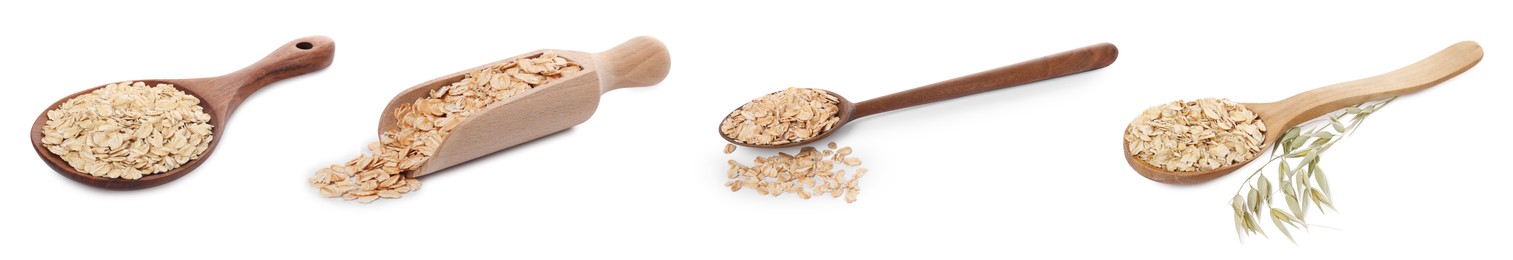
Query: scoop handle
(1418, 76)
(639, 62)
(298, 57)
(1055, 65)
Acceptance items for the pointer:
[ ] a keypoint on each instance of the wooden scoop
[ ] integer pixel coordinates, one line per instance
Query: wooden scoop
(218, 95)
(556, 106)
(1056, 65)
(1288, 113)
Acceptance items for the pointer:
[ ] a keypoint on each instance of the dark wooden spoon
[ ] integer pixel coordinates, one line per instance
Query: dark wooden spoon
(218, 95)
(1056, 65)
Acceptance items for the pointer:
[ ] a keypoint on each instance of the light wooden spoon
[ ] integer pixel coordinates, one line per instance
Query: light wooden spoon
(1055, 65)
(218, 95)
(1288, 113)
(556, 106)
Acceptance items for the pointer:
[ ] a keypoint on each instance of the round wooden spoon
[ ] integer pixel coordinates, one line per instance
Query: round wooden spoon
(1288, 113)
(218, 95)
(1055, 65)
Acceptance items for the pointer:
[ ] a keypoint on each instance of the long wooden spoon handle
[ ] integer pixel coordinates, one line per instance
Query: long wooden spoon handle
(1420, 75)
(298, 57)
(639, 62)
(1056, 65)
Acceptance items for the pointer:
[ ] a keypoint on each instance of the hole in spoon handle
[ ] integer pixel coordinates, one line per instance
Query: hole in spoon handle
(1055, 65)
(298, 57)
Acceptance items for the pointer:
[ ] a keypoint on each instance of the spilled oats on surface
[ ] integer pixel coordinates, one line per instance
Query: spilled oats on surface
(1199, 135)
(788, 116)
(811, 172)
(128, 130)
(421, 126)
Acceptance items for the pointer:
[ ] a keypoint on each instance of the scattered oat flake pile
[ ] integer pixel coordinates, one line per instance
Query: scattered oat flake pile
(128, 130)
(421, 125)
(1197, 135)
(788, 116)
(812, 172)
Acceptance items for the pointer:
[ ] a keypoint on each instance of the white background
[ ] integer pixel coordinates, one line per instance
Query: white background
(1032, 171)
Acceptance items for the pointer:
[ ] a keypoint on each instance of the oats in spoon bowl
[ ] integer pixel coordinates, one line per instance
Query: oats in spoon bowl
(128, 130)
(788, 116)
(1198, 135)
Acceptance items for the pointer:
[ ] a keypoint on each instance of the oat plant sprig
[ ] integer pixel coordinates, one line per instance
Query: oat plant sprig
(1299, 177)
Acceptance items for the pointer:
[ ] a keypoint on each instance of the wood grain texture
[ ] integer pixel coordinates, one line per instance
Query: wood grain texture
(218, 95)
(1288, 113)
(543, 110)
(1052, 66)
(641, 61)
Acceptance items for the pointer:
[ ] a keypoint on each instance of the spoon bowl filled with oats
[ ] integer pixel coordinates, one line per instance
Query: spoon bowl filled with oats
(1185, 142)
(798, 116)
(139, 134)
(478, 111)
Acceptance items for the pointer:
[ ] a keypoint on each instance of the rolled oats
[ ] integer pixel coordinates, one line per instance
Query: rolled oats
(128, 130)
(788, 116)
(809, 170)
(1197, 135)
(421, 126)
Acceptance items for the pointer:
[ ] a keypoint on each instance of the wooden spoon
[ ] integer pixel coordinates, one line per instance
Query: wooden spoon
(218, 95)
(1288, 113)
(556, 106)
(1056, 65)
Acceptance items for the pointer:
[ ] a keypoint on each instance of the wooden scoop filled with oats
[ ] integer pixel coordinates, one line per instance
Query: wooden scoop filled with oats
(1195, 141)
(475, 112)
